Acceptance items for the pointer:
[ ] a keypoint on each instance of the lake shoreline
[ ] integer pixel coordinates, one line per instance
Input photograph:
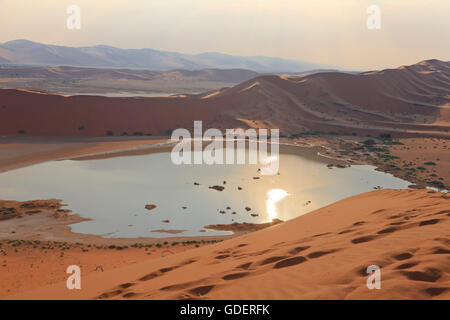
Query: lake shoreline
(81, 149)
(125, 259)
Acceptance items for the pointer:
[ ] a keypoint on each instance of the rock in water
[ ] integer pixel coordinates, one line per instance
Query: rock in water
(218, 188)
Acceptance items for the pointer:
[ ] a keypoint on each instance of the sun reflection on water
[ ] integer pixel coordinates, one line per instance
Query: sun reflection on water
(273, 196)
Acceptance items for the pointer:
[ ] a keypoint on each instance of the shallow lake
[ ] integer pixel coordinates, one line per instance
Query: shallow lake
(114, 192)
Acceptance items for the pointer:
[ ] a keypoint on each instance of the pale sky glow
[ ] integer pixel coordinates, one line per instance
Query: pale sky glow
(331, 32)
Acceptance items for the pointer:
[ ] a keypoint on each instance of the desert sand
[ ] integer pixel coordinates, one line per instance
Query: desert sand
(315, 245)
(320, 255)
(429, 157)
(366, 103)
(37, 244)
(29, 264)
(323, 254)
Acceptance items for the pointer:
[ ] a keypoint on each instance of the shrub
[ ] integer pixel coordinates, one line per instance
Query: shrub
(429, 163)
(392, 143)
(387, 157)
(109, 133)
(369, 142)
(438, 184)
(21, 131)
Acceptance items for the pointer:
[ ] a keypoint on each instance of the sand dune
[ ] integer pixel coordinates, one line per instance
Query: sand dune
(65, 72)
(323, 254)
(110, 82)
(411, 100)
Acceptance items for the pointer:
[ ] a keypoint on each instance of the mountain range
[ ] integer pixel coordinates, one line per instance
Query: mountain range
(24, 52)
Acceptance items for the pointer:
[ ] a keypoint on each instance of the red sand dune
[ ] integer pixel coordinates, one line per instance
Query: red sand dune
(320, 255)
(405, 101)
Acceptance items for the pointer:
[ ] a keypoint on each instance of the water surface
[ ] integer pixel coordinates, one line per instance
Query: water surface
(114, 192)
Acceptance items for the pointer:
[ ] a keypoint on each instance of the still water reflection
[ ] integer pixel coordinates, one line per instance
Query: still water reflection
(114, 192)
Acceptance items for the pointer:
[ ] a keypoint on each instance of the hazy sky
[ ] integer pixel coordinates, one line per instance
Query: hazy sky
(331, 32)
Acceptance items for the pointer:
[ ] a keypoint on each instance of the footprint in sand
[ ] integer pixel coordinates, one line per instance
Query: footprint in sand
(272, 260)
(363, 239)
(201, 291)
(441, 251)
(346, 231)
(126, 285)
(407, 265)
(388, 230)
(244, 266)
(289, 262)
(428, 222)
(435, 291)
(403, 256)
(223, 256)
(429, 275)
(318, 254)
(110, 294)
(299, 249)
(149, 276)
(397, 223)
(321, 234)
(129, 295)
(164, 270)
(234, 276)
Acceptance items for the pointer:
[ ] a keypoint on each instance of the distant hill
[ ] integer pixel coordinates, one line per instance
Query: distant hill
(407, 101)
(76, 80)
(101, 56)
(65, 72)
